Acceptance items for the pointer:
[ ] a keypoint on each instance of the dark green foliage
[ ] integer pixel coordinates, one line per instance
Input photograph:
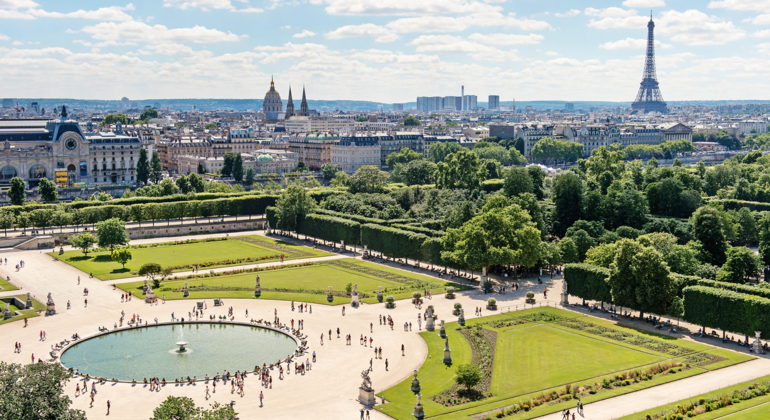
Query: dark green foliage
(17, 194)
(228, 163)
(328, 228)
(47, 190)
(680, 281)
(426, 231)
(359, 219)
(393, 242)
(588, 281)
(517, 182)
(726, 310)
(156, 169)
(568, 201)
(238, 168)
(35, 392)
(492, 185)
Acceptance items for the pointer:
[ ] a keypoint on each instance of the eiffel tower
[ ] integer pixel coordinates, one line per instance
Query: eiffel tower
(649, 98)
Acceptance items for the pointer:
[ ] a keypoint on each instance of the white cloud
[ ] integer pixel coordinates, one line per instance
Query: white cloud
(458, 45)
(551, 53)
(644, 3)
(286, 27)
(43, 52)
(745, 5)
(199, 4)
(610, 12)
(764, 48)
(249, 10)
(380, 33)
(761, 20)
(694, 27)
(761, 34)
(424, 24)
(18, 4)
(572, 12)
(631, 44)
(18, 43)
(404, 7)
(108, 14)
(4, 37)
(171, 49)
(507, 39)
(304, 34)
(390, 57)
(141, 32)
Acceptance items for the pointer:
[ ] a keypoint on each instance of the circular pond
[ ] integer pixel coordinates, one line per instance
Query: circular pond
(153, 351)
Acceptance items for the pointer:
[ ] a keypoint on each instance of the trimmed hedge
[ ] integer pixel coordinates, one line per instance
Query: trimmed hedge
(356, 218)
(681, 281)
(426, 231)
(588, 281)
(430, 224)
(740, 288)
(271, 213)
(393, 242)
(726, 310)
(492, 185)
(329, 228)
(400, 221)
(731, 204)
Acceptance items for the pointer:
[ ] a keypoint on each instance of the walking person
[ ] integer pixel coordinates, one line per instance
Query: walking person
(207, 392)
(260, 398)
(108, 407)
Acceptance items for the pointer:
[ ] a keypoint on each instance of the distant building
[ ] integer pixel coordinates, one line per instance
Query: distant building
(569, 106)
(469, 102)
(494, 102)
(263, 161)
(309, 124)
(399, 140)
(430, 103)
(352, 152)
(398, 107)
(313, 149)
(757, 126)
(676, 131)
(531, 135)
(272, 105)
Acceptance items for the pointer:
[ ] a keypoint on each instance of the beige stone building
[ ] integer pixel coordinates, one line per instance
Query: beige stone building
(313, 149)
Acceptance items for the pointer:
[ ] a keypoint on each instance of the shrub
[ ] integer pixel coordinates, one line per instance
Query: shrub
(530, 295)
(416, 295)
(491, 302)
(458, 306)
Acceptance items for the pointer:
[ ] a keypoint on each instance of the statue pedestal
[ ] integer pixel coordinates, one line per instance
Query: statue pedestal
(564, 299)
(330, 297)
(29, 302)
(418, 411)
(366, 397)
(447, 356)
(461, 320)
(415, 385)
(50, 309)
(8, 314)
(442, 331)
(258, 293)
(757, 344)
(430, 325)
(354, 300)
(150, 297)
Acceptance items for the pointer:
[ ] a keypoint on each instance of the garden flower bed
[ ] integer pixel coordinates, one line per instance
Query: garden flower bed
(635, 340)
(483, 344)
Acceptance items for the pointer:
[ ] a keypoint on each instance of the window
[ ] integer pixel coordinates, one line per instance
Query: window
(7, 173)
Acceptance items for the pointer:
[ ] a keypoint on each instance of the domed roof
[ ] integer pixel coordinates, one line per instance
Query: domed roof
(272, 93)
(264, 158)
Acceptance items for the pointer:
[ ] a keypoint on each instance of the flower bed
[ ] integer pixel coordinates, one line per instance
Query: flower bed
(542, 316)
(707, 405)
(570, 392)
(702, 359)
(291, 252)
(635, 340)
(483, 344)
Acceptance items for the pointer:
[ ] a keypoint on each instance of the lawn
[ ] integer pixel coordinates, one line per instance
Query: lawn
(183, 255)
(306, 282)
(536, 356)
(751, 409)
(5, 286)
(26, 313)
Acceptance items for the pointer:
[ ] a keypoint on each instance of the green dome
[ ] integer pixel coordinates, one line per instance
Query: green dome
(264, 158)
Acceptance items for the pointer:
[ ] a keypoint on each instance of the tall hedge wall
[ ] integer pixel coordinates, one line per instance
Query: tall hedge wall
(393, 242)
(272, 217)
(356, 218)
(425, 231)
(331, 228)
(681, 281)
(726, 310)
(588, 281)
(492, 185)
(740, 288)
(731, 204)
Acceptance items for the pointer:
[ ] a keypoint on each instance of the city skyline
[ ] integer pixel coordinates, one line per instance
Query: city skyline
(361, 49)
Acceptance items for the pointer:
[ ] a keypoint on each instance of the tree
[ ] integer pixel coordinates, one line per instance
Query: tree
(250, 175)
(183, 408)
(84, 241)
(418, 172)
(494, 152)
(183, 184)
(328, 170)
(362, 119)
(35, 392)
(293, 202)
(142, 167)
(41, 218)
(583, 242)
(411, 121)
(47, 190)
(111, 232)
(498, 236)
(156, 170)
(228, 163)
(568, 201)
(341, 179)
(150, 270)
(121, 255)
(707, 227)
(18, 192)
(368, 179)
(437, 152)
(201, 169)
(238, 168)
(741, 264)
(114, 118)
(7, 220)
(61, 218)
(517, 182)
(538, 176)
(148, 113)
(196, 183)
(468, 375)
(639, 278)
(677, 309)
(461, 170)
(403, 157)
(569, 251)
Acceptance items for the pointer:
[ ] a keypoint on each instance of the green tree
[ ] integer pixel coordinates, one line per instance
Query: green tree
(568, 201)
(498, 236)
(747, 227)
(183, 408)
(411, 121)
(201, 169)
(362, 119)
(250, 175)
(111, 232)
(209, 126)
(7, 220)
(368, 179)
(228, 164)
(583, 242)
(293, 202)
(196, 183)
(18, 192)
(151, 270)
(538, 176)
(569, 251)
(83, 241)
(328, 170)
(114, 118)
(142, 167)
(238, 168)
(468, 375)
(437, 152)
(639, 278)
(148, 113)
(418, 172)
(183, 184)
(458, 214)
(121, 255)
(41, 218)
(156, 169)
(47, 190)
(461, 170)
(494, 152)
(403, 157)
(708, 228)
(35, 392)
(517, 182)
(61, 218)
(741, 264)
(677, 309)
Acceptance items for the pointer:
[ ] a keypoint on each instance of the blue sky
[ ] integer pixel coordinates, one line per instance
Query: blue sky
(382, 50)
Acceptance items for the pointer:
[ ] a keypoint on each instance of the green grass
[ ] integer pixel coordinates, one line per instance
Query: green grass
(6, 286)
(301, 282)
(537, 357)
(26, 313)
(732, 412)
(101, 265)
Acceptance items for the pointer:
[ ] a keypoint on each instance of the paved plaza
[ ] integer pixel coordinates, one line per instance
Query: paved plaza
(328, 391)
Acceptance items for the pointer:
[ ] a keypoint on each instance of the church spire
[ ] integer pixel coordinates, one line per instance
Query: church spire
(289, 106)
(303, 109)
